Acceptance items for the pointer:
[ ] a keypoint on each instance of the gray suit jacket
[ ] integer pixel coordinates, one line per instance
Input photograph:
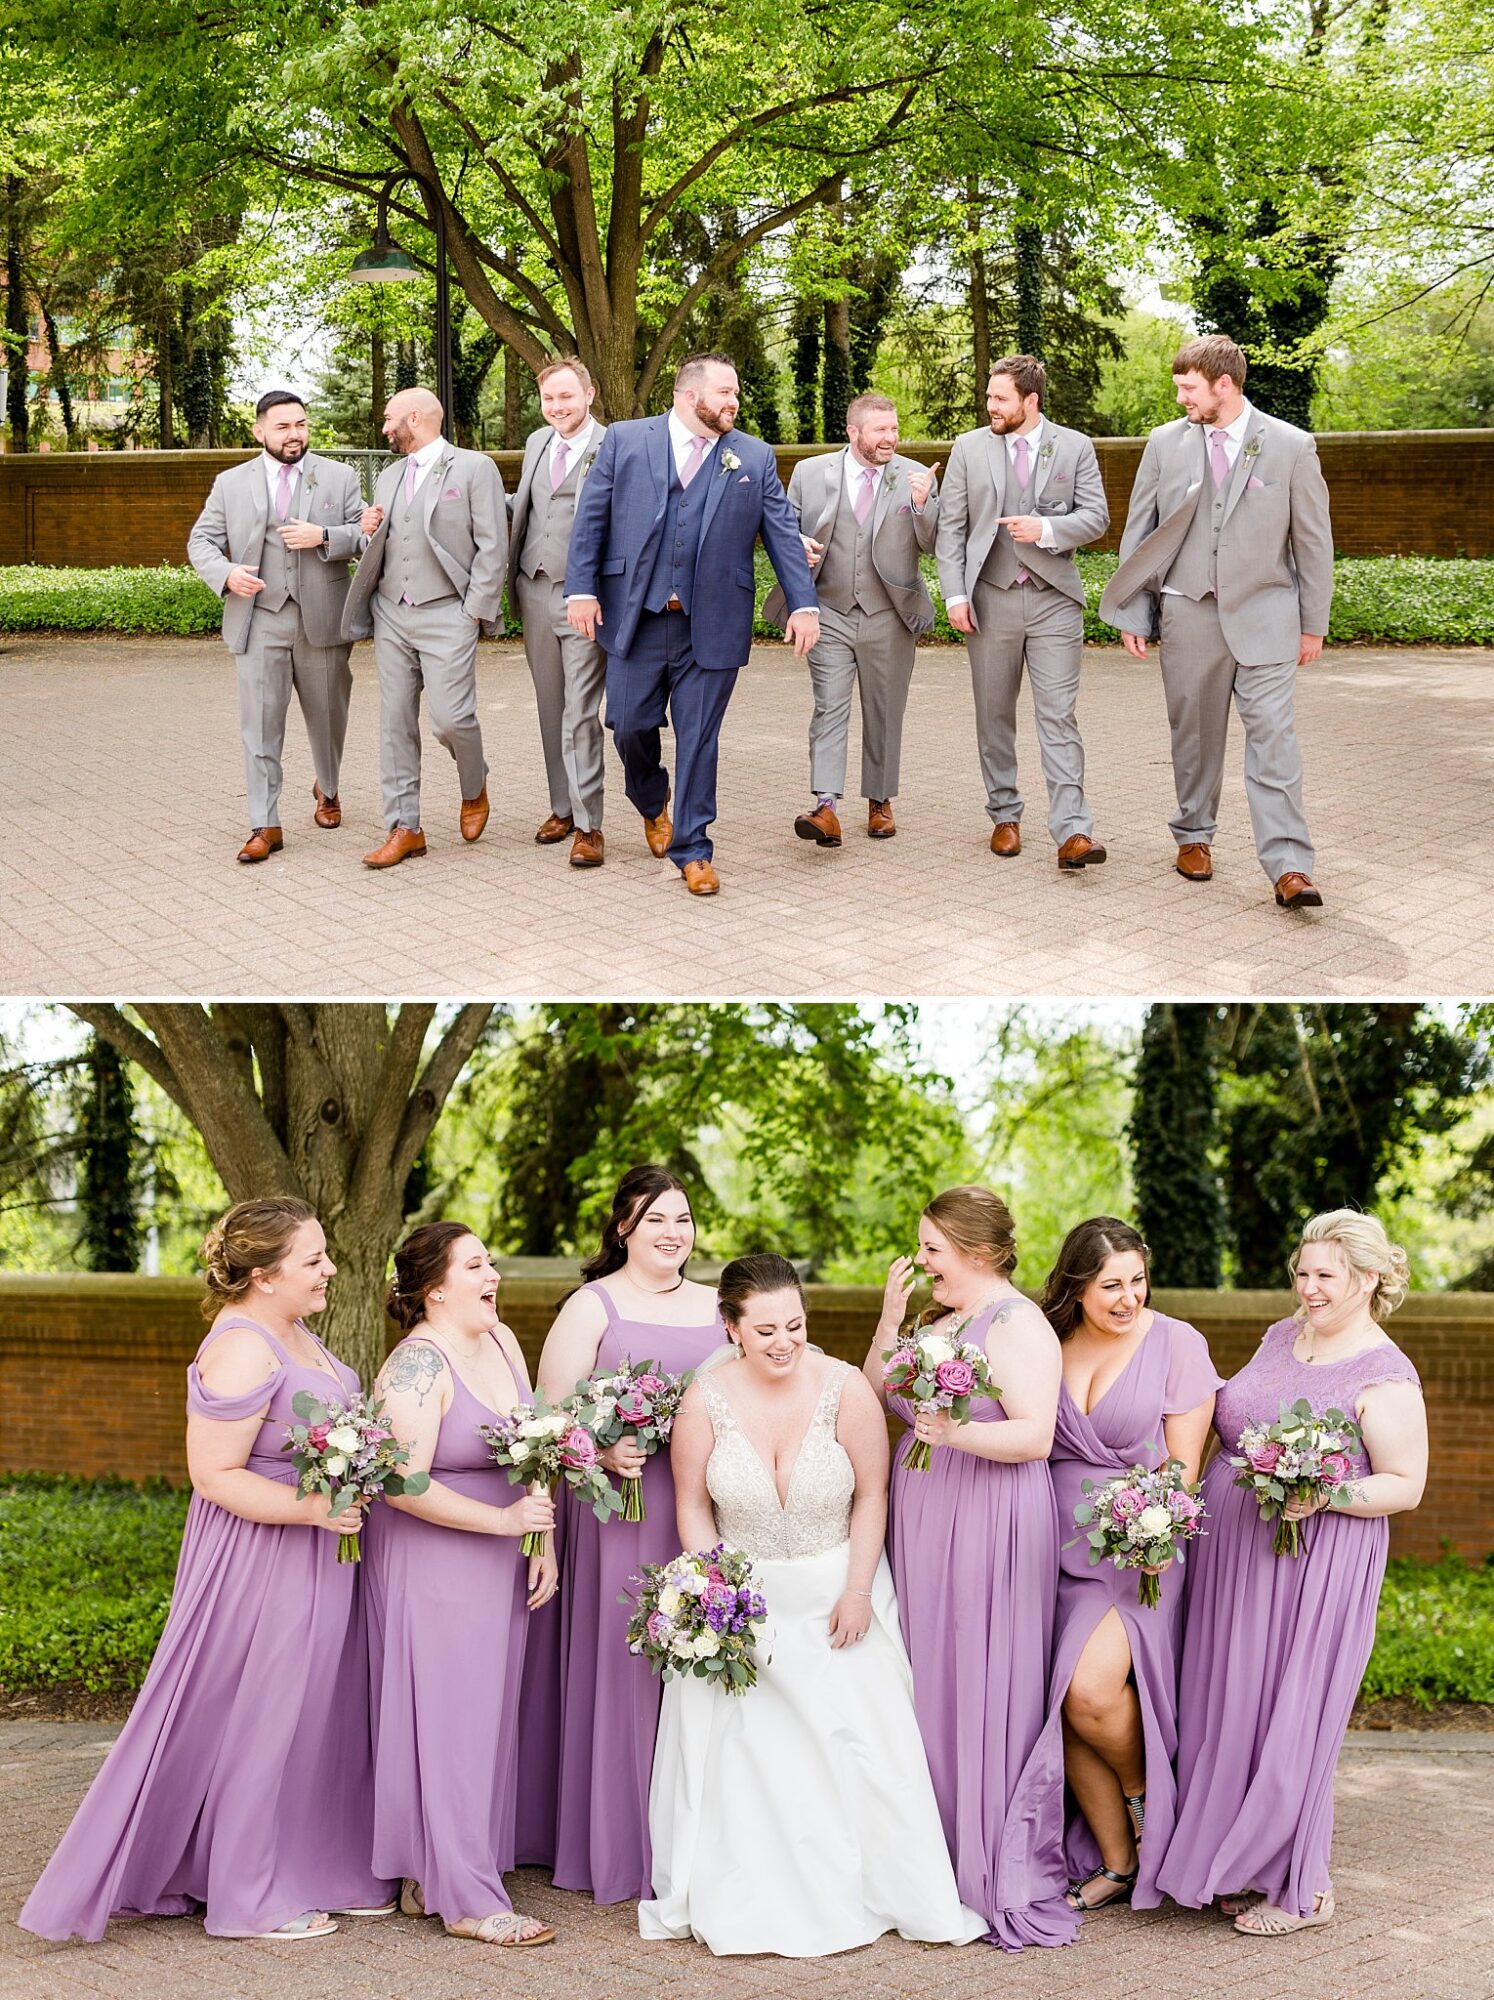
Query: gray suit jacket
(536, 453)
(817, 492)
(1275, 561)
(1067, 490)
(467, 522)
(232, 527)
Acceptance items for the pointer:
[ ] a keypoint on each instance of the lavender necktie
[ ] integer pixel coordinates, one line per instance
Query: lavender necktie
(693, 465)
(283, 497)
(1218, 460)
(1023, 452)
(864, 497)
(409, 481)
(558, 464)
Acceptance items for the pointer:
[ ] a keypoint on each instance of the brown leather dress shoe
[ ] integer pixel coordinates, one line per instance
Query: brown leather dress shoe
(262, 843)
(820, 825)
(402, 845)
(1194, 863)
(1079, 851)
(328, 811)
(587, 849)
(701, 878)
(1296, 891)
(880, 825)
(1006, 839)
(659, 831)
(474, 815)
(555, 828)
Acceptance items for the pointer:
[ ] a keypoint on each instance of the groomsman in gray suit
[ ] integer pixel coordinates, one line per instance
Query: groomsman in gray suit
(273, 541)
(569, 672)
(864, 514)
(1019, 498)
(431, 578)
(1228, 548)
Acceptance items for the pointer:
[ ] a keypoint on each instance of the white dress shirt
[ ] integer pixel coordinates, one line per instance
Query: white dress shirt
(273, 469)
(682, 439)
(575, 447)
(422, 460)
(856, 474)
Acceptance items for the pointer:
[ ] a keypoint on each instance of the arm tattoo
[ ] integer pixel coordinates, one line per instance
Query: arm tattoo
(1003, 1313)
(414, 1367)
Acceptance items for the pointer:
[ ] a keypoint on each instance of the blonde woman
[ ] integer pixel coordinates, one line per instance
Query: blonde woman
(1274, 1647)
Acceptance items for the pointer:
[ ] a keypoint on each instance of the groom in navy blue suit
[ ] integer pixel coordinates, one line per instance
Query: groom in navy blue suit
(659, 573)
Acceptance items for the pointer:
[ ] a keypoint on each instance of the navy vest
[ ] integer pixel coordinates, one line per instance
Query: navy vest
(674, 564)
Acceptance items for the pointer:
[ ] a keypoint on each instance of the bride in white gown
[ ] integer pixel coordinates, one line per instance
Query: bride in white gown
(798, 1818)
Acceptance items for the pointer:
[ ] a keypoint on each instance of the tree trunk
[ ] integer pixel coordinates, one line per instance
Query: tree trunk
(17, 322)
(165, 378)
(57, 375)
(980, 302)
(806, 372)
(379, 395)
(1028, 244)
(513, 406)
(1172, 1131)
(835, 382)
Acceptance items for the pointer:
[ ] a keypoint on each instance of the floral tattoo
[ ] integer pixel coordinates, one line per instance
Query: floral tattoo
(414, 1367)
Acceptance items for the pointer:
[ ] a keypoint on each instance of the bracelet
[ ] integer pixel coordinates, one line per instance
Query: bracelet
(848, 1592)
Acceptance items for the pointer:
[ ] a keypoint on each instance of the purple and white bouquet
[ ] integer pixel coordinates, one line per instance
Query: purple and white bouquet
(1140, 1520)
(701, 1614)
(540, 1448)
(640, 1401)
(936, 1371)
(1298, 1457)
(349, 1452)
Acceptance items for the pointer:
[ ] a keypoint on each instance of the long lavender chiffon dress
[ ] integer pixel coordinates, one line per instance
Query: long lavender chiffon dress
(538, 1803)
(446, 1634)
(1169, 1374)
(974, 1548)
(242, 1779)
(1274, 1649)
(609, 1710)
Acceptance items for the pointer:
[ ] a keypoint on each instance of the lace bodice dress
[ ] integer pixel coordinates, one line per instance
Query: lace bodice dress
(817, 1513)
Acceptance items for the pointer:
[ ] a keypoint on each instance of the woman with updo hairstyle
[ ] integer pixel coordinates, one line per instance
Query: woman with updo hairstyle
(1275, 1647)
(1138, 1389)
(974, 1544)
(242, 1781)
(449, 1597)
(637, 1305)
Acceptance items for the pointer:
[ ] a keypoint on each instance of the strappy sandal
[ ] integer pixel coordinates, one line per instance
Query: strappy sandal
(1075, 1896)
(411, 1899)
(503, 1927)
(1267, 1921)
(1136, 1807)
(310, 1924)
(369, 1910)
(1237, 1905)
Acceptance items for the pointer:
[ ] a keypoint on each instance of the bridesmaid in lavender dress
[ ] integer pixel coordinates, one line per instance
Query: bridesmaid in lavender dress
(974, 1546)
(1138, 1389)
(637, 1306)
(447, 1598)
(1274, 1647)
(242, 1779)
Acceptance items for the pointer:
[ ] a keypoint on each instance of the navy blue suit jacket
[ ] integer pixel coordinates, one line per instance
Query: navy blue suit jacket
(620, 516)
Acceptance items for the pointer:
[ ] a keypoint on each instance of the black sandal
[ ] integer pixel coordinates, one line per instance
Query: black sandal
(1136, 1807)
(1075, 1896)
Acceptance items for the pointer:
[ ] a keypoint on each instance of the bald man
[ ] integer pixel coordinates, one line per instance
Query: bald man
(430, 579)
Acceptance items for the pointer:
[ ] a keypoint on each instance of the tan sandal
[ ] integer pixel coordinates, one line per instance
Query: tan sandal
(503, 1927)
(1238, 1904)
(310, 1924)
(411, 1899)
(1267, 1921)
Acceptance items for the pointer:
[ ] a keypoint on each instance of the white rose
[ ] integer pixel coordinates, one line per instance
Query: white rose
(1154, 1523)
(682, 1646)
(693, 1584)
(706, 1644)
(934, 1349)
(670, 1601)
(344, 1438)
(335, 1467)
(605, 1405)
(518, 1447)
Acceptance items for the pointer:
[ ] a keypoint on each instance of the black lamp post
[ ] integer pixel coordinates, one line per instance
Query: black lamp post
(386, 263)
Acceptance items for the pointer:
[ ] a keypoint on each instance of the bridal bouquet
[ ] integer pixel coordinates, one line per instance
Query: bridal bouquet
(639, 1401)
(1139, 1520)
(1298, 1457)
(541, 1447)
(349, 1452)
(701, 1614)
(938, 1370)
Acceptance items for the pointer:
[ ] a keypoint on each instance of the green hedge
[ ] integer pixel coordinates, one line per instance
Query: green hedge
(1391, 600)
(86, 1568)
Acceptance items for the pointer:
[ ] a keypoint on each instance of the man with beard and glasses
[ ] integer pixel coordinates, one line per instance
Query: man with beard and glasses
(1228, 555)
(1021, 495)
(274, 541)
(660, 574)
(429, 580)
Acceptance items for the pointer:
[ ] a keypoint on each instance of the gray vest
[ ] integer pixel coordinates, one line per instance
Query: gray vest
(1001, 565)
(1195, 568)
(846, 577)
(279, 566)
(552, 513)
(411, 569)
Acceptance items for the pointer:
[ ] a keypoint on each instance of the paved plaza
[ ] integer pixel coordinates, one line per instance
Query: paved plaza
(1415, 1821)
(123, 785)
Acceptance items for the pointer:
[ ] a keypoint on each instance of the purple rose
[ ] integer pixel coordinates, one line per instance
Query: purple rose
(1266, 1457)
(1182, 1506)
(578, 1449)
(955, 1377)
(632, 1407)
(1127, 1503)
(659, 1628)
(1336, 1467)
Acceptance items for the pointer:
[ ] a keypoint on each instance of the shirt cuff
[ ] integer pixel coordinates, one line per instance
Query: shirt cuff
(950, 602)
(813, 610)
(1045, 539)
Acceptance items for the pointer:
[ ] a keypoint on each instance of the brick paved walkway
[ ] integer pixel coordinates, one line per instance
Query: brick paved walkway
(1415, 1922)
(122, 783)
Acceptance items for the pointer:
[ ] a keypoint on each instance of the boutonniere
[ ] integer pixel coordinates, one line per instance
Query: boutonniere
(889, 478)
(1252, 447)
(729, 461)
(588, 462)
(1046, 452)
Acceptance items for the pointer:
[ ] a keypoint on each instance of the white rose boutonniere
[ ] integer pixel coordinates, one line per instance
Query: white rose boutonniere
(1046, 452)
(1252, 447)
(588, 462)
(889, 477)
(730, 462)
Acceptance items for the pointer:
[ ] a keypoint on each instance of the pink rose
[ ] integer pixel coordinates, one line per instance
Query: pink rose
(1336, 1467)
(317, 1436)
(956, 1377)
(1128, 1502)
(651, 1385)
(659, 1628)
(632, 1408)
(578, 1449)
(1182, 1506)
(1265, 1457)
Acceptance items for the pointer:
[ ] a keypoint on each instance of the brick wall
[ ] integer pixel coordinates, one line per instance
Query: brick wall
(92, 1376)
(1394, 493)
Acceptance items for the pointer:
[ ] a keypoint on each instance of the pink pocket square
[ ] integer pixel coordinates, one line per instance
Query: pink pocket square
(745, 480)
(1254, 485)
(452, 493)
(905, 509)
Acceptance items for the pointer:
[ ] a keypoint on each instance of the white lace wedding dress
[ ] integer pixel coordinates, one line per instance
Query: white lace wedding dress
(798, 1818)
